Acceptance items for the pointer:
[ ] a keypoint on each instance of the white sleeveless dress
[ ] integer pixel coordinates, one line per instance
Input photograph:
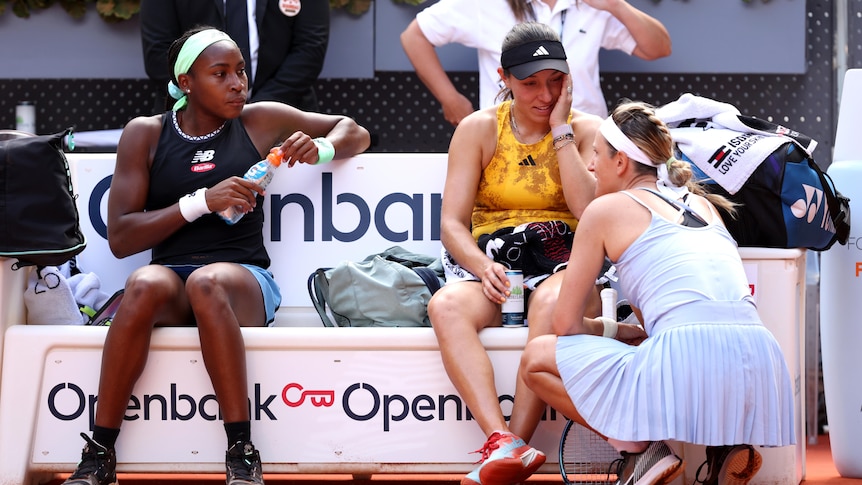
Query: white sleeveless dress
(710, 373)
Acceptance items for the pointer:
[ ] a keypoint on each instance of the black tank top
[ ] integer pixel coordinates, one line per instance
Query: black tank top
(183, 164)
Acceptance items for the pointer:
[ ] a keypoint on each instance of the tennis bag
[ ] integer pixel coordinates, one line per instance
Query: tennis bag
(784, 198)
(39, 224)
(787, 202)
(387, 289)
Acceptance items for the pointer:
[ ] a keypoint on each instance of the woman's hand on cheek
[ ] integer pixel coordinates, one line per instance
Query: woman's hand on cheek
(561, 111)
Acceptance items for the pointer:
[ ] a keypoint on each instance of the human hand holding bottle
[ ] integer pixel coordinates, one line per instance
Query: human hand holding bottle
(261, 174)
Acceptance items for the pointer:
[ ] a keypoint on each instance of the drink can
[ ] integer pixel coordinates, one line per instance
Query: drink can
(25, 117)
(513, 307)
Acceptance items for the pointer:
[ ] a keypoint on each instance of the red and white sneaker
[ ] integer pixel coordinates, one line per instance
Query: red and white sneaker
(506, 459)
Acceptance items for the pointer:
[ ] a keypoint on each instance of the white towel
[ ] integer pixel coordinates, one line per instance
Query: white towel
(721, 142)
(726, 156)
(689, 106)
(49, 299)
(86, 289)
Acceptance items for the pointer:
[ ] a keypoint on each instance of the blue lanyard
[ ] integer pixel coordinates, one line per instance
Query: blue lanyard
(562, 24)
(562, 20)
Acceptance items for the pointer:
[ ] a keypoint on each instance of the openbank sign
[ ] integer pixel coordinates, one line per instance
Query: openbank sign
(277, 202)
(388, 408)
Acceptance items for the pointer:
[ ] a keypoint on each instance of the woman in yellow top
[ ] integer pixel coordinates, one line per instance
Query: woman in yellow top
(516, 163)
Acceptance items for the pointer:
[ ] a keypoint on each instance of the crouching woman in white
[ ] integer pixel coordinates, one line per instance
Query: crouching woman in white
(703, 369)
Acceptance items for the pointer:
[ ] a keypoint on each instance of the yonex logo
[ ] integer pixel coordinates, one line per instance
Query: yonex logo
(808, 208)
(528, 162)
(541, 51)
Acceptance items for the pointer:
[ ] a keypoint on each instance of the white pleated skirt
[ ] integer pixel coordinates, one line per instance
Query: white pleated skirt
(721, 380)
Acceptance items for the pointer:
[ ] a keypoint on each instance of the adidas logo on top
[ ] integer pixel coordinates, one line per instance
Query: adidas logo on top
(541, 51)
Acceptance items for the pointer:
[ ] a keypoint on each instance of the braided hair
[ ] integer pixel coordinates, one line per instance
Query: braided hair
(638, 121)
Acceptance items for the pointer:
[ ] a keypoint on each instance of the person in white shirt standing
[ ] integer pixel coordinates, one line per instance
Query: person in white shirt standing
(584, 27)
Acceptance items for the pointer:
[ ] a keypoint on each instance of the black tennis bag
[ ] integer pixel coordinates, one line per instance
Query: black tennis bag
(39, 224)
(787, 202)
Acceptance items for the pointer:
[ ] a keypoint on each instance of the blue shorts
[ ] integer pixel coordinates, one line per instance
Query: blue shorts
(268, 287)
(270, 290)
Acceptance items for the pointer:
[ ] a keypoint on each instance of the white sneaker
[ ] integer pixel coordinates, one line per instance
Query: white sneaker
(657, 465)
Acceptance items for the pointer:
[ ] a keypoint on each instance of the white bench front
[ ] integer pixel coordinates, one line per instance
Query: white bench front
(322, 400)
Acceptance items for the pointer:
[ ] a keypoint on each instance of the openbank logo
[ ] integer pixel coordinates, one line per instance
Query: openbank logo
(422, 207)
(359, 402)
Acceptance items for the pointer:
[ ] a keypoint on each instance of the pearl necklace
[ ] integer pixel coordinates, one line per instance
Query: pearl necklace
(515, 125)
(194, 137)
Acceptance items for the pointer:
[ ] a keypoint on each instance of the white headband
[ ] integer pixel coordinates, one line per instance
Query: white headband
(622, 143)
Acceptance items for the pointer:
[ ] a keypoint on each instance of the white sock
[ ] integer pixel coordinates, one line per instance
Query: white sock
(628, 446)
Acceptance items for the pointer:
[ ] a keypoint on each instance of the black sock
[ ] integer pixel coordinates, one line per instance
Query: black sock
(239, 431)
(106, 437)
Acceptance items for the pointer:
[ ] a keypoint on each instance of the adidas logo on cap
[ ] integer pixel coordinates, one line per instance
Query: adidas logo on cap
(541, 51)
(526, 59)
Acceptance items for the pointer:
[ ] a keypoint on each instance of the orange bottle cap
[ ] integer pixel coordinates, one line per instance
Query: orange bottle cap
(274, 157)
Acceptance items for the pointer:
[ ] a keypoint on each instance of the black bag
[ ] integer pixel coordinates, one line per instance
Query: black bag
(388, 289)
(787, 202)
(39, 222)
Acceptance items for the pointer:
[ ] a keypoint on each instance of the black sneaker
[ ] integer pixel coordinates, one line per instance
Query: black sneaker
(657, 465)
(730, 465)
(98, 465)
(243, 464)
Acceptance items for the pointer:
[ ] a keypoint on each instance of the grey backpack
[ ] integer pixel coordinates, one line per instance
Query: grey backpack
(388, 289)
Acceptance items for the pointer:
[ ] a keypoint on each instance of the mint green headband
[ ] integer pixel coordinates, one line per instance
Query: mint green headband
(189, 53)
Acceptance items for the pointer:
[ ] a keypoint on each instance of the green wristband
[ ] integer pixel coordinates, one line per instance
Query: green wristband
(325, 150)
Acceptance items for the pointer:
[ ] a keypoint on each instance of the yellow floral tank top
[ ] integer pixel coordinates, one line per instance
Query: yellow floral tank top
(520, 184)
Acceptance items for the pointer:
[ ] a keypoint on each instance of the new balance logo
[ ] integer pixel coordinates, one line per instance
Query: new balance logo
(528, 162)
(203, 156)
(202, 162)
(541, 51)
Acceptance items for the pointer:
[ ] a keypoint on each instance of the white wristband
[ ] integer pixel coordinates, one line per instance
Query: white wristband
(562, 130)
(194, 205)
(611, 327)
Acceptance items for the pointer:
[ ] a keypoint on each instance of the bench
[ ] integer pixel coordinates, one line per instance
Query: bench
(360, 401)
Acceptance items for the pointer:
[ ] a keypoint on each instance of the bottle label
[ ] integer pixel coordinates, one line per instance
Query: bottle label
(513, 307)
(260, 173)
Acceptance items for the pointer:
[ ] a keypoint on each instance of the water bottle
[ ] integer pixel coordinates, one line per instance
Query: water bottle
(261, 173)
(25, 117)
(840, 329)
(609, 303)
(840, 289)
